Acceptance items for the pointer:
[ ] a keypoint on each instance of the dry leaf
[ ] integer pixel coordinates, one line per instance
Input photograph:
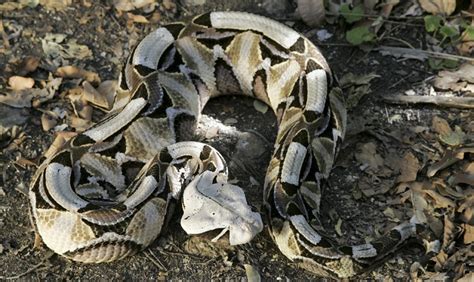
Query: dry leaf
(371, 185)
(75, 72)
(468, 234)
(455, 138)
(53, 46)
(418, 201)
(469, 277)
(252, 273)
(467, 210)
(137, 18)
(449, 231)
(466, 46)
(366, 154)
(55, 4)
(390, 213)
(311, 12)
(80, 124)
(460, 80)
(31, 97)
(450, 157)
(440, 126)
(18, 83)
(48, 120)
(409, 168)
(128, 5)
(27, 65)
(445, 7)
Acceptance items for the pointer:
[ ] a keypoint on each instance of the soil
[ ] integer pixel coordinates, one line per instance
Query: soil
(175, 255)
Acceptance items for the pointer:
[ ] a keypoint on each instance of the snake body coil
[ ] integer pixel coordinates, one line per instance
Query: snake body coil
(105, 194)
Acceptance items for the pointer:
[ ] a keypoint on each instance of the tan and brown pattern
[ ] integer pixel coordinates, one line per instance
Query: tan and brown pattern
(105, 194)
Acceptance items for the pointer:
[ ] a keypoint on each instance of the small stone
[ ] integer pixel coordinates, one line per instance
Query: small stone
(230, 121)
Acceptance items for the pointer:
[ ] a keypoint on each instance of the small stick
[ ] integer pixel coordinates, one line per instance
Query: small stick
(418, 52)
(451, 102)
(155, 260)
(6, 44)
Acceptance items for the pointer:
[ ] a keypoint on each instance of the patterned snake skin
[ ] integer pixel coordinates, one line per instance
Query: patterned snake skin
(105, 195)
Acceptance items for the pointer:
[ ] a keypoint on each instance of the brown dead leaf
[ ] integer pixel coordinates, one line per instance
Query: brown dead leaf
(54, 46)
(48, 120)
(469, 277)
(18, 83)
(460, 80)
(137, 18)
(391, 214)
(80, 124)
(450, 157)
(467, 210)
(468, 234)
(31, 97)
(128, 5)
(439, 200)
(449, 232)
(55, 4)
(75, 72)
(371, 185)
(23, 163)
(466, 46)
(440, 259)
(466, 176)
(409, 168)
(11, 6)
(27, 65)
(445, 7)
(418, 201)
(311, 12)
(440, 126)
(367, 155)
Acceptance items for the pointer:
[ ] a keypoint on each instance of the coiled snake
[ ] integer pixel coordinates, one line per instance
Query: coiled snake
(105, 195)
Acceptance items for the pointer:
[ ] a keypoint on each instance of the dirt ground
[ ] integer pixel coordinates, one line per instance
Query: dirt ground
(351, 213)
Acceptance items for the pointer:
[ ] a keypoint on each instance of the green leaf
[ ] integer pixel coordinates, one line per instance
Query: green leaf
(449, 31)
(359, 35)
(468, 34)
(450, 64)
(352, 15)
(455, 138)
(432, 23)
(440, 64)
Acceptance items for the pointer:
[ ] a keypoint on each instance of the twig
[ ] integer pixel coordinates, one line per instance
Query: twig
(6, 44)
(419, 52)
(453, 102)
(155, 260)
(400, 40)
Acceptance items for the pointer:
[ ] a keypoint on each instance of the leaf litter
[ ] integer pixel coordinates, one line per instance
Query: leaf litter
(434, 180)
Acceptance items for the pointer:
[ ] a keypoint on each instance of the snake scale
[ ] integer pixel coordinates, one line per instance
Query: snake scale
(105, 194)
